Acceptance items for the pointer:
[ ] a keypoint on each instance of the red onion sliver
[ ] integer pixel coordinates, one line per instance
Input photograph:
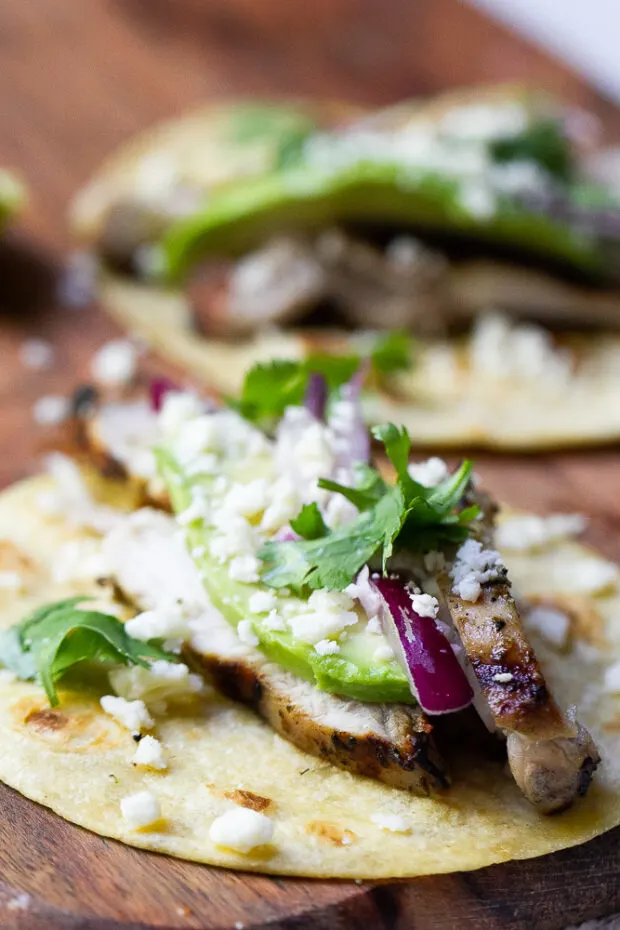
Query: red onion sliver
(316, 396)
(436, 678)
(158, 388)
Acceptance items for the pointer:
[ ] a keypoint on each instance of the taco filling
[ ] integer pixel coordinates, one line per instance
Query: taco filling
(417, 216)
(367, 620)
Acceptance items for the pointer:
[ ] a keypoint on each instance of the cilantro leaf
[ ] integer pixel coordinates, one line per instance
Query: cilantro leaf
(58, 636)
(332, 561)
(407, 516)
(270, 387)
(368, 489)
(309, 523)
(392, 352)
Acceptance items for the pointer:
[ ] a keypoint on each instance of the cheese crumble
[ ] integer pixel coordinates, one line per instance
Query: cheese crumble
(241, 830)
(150, 754)
(130, 714)
(473, 567)
(523, 532)
(141, 810)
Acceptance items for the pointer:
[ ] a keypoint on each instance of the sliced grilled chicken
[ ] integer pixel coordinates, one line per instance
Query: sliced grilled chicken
(389, 742)
(552, 757)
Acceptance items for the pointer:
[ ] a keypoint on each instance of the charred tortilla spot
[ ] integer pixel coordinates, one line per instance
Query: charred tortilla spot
(255, 802)
(47, 719)
(331, 833)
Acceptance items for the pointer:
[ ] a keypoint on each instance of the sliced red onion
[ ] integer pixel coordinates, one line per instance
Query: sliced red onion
(347, 422)
(158, 388)
(316, 396)
(286, 534)
(436, 679)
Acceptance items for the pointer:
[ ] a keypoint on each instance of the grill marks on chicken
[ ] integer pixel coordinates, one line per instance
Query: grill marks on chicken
(390, 743)
(551, 757)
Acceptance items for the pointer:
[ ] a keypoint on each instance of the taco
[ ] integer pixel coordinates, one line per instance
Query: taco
(322, 679)
(419, 217)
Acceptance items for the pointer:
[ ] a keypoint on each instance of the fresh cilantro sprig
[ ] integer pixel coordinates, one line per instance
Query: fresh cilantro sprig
(56, 637)
(405, 515)
(270, 387)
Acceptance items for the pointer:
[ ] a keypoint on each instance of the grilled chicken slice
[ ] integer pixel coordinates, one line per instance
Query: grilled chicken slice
(391, 743)
(552, 757)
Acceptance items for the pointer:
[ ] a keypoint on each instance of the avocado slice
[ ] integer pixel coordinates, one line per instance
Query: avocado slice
(352, 673)
(386, 188)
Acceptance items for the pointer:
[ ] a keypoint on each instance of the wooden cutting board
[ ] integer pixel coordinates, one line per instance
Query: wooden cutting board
(78, 78)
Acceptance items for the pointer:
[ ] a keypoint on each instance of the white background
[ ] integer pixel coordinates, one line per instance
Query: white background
(585, 33)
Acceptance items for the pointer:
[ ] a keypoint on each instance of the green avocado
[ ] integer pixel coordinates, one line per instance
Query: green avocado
(352, 673)
(306, 194)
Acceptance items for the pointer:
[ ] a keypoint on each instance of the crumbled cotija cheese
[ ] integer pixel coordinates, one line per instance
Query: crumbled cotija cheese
(552, 624)
(12, 581)
(141, 810)
(241, 829)
(425, 605)
(611, 679)
(168, 622)
(244, 568)
(473, 567)
(245, 632)
(527, 531)
(383, 653)
(130, 714)
(394, 823)
(150, 754)
(36, 354)
(51, 409)
(161, 681)
(503, 677)
(262, 602)
(326, 647)
(115, 363)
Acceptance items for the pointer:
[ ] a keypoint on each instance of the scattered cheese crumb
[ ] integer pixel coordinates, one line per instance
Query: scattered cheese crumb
(611, 679)
(36, 354)
(150, 753)
(169, 622)
(394, 823)
(527, 531)
(473, 567)
(425, 605)
(130, 714)
(51, 409)
(141, 810)
(11, 580)
(241, 829)
(244, 568)
(114, 363)
(503, 677)
(162, 681)
(552, 624)
(262, 602)
(429, 473)
(383, 653)
(326, 647)
(246, 634)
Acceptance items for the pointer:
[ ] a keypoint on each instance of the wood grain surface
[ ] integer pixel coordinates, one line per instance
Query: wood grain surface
(77, 78)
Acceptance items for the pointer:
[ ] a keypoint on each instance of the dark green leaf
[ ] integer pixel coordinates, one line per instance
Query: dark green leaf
(269, 388)
(56, 637)
(309, 523)
(545, 143)
(13, 656)
(393, 352)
